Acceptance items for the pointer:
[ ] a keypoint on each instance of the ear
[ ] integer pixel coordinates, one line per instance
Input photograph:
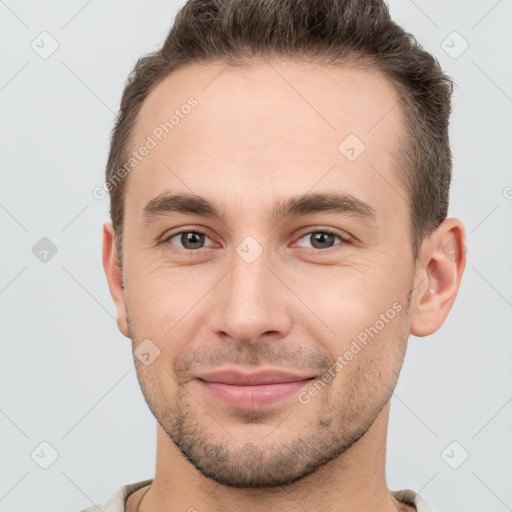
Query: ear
(114, 277)
(438, 274)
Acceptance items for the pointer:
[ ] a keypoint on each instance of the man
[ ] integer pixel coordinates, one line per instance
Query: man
(279, 178)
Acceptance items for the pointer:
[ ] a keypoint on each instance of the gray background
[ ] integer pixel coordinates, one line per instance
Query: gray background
(67, 375)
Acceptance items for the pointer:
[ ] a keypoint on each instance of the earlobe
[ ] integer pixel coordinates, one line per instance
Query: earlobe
(440, 269)
(114, 277)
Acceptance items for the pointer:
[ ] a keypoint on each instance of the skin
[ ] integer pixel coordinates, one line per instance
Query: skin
(253, 139)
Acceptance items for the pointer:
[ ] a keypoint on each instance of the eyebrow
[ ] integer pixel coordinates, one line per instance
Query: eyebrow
(334, 202)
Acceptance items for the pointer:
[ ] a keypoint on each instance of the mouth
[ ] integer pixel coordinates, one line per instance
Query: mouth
(252, 390)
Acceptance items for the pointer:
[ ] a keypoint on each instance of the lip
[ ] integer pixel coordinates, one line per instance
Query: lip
(238, 378)
(252, 390)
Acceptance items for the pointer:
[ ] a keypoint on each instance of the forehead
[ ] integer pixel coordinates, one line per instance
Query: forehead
(276, 125)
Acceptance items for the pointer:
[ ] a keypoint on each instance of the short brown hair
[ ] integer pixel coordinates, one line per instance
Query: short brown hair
(359, 33)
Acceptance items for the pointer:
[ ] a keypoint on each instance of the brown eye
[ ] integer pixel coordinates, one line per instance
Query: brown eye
(189, 240)
(323, 239)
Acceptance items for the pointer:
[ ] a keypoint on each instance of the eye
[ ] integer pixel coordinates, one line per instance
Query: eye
(321, 239)
(189, 240)
(193, 240)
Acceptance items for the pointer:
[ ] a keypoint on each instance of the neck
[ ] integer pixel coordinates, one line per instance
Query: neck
(355, 480)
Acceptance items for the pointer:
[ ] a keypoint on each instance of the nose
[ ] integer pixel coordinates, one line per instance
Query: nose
(250, 303)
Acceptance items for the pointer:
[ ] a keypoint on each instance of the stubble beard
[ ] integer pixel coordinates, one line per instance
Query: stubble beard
(340, 419)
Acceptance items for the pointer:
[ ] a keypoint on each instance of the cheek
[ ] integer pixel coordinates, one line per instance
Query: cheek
(348, 299)
(367, 366)
(161, 297)
(367, 322)
(158, 387)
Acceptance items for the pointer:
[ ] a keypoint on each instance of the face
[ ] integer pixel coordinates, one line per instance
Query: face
(294, 269)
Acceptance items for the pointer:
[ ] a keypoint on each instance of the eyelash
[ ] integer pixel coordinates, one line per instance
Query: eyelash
(343, 240)
(327, 231)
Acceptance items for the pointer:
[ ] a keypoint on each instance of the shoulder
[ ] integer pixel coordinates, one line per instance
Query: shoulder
(117, 502)
(411, 497)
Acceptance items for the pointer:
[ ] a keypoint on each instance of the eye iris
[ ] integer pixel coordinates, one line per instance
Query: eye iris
(319, 238)
(190, 240)
(194, 240)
